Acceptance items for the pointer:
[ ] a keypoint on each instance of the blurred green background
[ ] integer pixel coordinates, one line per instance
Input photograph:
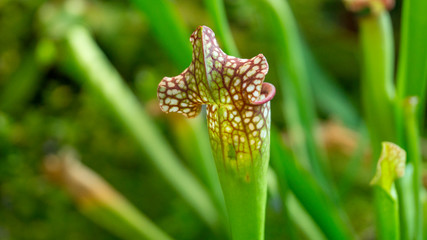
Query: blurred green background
(43, 108)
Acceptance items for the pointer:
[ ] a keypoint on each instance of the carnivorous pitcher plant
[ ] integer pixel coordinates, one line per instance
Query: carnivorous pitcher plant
(238, 115)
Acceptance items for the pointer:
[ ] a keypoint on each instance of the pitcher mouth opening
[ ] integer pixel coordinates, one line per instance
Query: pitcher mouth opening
(268, 90)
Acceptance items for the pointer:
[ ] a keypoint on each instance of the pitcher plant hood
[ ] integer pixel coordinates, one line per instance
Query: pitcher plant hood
(236, 96)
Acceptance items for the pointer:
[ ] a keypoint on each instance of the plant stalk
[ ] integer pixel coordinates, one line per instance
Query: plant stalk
(376, 38)
(299, 110)
(97, 200)
(415, 224)
(168, 28)
(309, 193)
(412, 81)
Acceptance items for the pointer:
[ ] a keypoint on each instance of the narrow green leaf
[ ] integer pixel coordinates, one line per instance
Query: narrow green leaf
(168, 28)
(309, 193)
(377, 77)
(298, 102)
(303, 219)
(24, 82)
(278, 190)
(387, 214)
(412, 66)
(414, 157)
(195, 145)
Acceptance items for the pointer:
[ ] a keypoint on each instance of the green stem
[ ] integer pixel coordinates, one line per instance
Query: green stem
(310, 229)
(246, 205)
(412, 81)
(308, 191)
(278, 190)
(24, 83)
(294, 213)
(242, 166)
(300, 111)
(414, 155)
(193, 142)
(404, 188)
(104, 81)
(168, 28)
(387, 215)
(124, 220)
(377, 77)
(412, 67)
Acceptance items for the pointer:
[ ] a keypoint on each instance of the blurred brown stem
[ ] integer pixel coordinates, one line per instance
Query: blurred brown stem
(97, 200)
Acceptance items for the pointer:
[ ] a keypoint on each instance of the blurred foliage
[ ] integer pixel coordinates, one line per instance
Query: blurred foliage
(42, 109)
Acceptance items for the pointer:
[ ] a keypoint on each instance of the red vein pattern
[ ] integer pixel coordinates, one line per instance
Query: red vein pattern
(236, 96)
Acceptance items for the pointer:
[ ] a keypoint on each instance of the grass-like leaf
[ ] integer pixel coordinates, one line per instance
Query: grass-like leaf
(168, 28)
(377, 77)
(412, 66)
(309, 193)
(414, 222)
(297, 95)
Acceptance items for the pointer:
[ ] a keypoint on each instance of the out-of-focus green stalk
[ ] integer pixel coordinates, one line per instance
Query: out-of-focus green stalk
(196, 148)
(328, 96)
(415, 221)
(391, 166)
(21, 85)
(307, 190)
(99, 201)
(387, 214)
(300, 111)
(303, 219)
(411, 81)
(278, 191)
(168, 28)
(424, 215)
(217, 11)
(376, 37)
(404, 188)
(294, 213)
(104, 81)
(24, 82)
(412, 66)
